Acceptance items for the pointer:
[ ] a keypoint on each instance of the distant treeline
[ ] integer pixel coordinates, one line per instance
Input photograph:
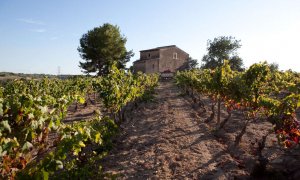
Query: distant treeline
(10, 75)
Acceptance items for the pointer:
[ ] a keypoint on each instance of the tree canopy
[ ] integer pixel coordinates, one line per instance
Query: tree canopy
(192, 63)
(101, 47)
(189, 64)
(274, 67)
(220, 49)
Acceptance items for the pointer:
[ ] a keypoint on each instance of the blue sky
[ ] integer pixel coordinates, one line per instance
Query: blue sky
(38, 36)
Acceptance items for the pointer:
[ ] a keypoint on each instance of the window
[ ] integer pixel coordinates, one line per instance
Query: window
(153, 66)
(149, 55)
(174, 55)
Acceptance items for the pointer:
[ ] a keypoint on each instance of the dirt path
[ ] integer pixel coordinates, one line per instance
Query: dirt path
(166, 139)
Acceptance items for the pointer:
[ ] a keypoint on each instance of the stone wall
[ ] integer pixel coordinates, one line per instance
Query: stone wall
(164, 59)
(149, 54)
(152, 65)
(170, 63)
(139, 66)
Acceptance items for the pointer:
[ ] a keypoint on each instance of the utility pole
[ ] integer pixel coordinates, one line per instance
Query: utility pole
(58, 70)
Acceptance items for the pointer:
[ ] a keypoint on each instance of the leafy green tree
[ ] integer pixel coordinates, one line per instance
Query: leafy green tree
(131, 69)
(220, 49)
(192, 63)
(236, 63)
(274, 67)
(189, 64)
(101, 47)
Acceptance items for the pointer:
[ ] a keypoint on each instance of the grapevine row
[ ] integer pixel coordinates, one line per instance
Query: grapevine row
(32, 110)
(258, 92)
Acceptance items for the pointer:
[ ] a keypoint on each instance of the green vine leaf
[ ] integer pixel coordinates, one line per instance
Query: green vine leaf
(27, 146)
(5, 125)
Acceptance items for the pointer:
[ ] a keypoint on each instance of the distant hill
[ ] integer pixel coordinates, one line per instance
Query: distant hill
(10, 75)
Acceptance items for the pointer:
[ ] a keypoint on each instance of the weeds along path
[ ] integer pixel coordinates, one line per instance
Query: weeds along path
(165, 139)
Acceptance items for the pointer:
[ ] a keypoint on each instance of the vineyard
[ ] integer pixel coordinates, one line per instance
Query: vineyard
(35, 142)
(206, 124)
(257, 93)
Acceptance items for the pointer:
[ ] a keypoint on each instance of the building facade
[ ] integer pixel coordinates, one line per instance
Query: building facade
(166, 59)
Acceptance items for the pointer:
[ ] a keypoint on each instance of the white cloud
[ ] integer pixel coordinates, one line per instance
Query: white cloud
(31, 21)
(38, 30)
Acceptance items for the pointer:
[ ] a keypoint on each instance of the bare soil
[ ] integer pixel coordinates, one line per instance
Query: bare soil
(169, 139)
(84, 111)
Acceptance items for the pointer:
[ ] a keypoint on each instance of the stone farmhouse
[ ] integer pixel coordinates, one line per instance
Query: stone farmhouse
(166, 59)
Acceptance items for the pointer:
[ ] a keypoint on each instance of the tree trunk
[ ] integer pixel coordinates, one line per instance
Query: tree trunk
(194, 99)
(261, 164)
(225, 120)
(114, 116)
(212, 115)
(120, 116)
(192, 92)
(219, 111)
(240, 135)
(76, 106)
(91, 101)
(185, 89)
(201, 103)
